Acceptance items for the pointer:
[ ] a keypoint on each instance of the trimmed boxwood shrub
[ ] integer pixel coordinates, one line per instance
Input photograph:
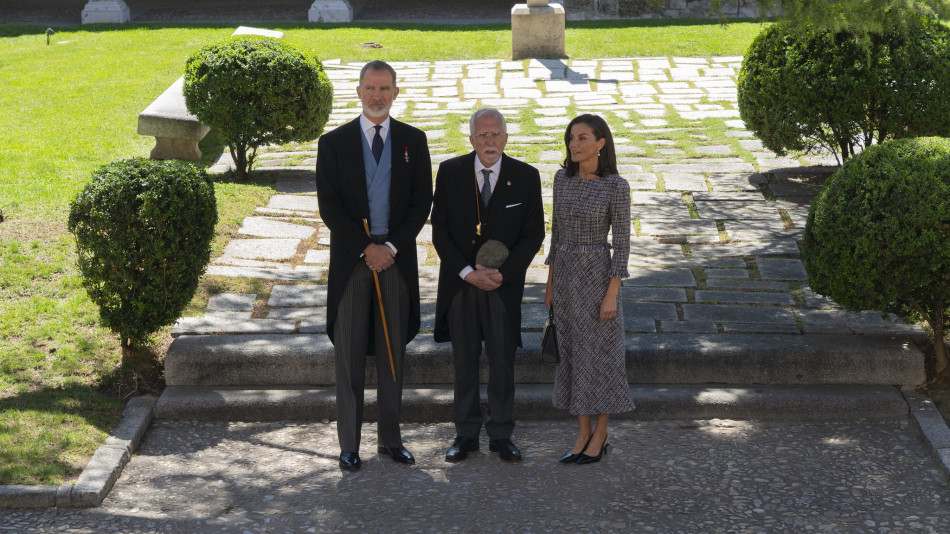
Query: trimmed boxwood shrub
(143, 231)
(807, 91)
(878, 233)
(257, 91)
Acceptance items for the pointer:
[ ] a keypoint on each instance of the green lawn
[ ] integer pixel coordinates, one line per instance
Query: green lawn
(72, 106)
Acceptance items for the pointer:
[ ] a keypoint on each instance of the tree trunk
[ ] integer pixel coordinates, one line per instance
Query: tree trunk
(239, 155)
(940, 349)
(128, 354)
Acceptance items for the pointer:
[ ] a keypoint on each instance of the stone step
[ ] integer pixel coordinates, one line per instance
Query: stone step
(307, 360)
(533, 401)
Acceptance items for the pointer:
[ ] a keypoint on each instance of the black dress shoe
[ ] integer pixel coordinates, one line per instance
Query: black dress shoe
(399, 454)
(571, 457)
(350, 460)
(460, 449)
(584, 459)
(506, 449)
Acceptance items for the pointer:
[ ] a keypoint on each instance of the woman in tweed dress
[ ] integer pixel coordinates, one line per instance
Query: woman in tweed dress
(590, 199)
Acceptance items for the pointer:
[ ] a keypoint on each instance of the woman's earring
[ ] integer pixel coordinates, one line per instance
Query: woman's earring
(598, 153)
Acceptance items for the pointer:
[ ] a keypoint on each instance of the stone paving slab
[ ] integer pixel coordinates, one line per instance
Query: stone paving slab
(268, 248)
(264, 227)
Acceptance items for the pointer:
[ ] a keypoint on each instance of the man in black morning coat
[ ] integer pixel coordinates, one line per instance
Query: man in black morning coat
(487, 193)
(377, 169)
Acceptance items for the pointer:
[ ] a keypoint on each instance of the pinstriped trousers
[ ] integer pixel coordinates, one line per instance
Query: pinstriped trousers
(359, 307)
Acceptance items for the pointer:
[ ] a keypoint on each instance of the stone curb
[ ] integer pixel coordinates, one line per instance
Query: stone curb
(932, 427)
(282, 360)
(533, 402)
(100, 474)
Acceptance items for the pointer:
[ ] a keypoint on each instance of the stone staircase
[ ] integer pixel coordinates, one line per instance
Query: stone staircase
(719, 317)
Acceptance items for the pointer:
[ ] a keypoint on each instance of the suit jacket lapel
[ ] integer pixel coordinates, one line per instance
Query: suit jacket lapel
(399, 179)
(356, 173)
(467, 190)
(502, 192)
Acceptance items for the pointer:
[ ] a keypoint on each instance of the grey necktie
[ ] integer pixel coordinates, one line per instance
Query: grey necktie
(486, 186)
(377, 143)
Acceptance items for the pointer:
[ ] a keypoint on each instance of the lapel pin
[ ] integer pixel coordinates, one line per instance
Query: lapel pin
(406, 154)
(509, 182)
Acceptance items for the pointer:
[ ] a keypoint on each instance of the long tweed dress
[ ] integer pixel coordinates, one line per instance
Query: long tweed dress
(591, 378)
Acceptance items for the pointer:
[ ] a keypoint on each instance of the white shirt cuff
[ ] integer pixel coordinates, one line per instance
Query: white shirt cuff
(392, 247)
(464, 272)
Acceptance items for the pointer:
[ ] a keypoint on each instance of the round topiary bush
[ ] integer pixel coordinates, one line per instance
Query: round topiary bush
(143, 231)
(257, 91)
(878, 233)
(807, 91)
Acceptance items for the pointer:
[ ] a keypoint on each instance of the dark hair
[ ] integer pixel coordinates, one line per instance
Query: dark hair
(607, 162)
(378, 65)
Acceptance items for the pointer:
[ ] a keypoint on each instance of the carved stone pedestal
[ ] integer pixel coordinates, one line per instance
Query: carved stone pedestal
(330, 11)
(105, 11)
(537, 30)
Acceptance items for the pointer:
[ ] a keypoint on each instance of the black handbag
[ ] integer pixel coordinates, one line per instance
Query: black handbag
(549, 340)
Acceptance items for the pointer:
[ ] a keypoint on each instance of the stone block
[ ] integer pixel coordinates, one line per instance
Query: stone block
(737, 314)
(744, 297)
(297, 296)
(779, 269)
(537, 31)
(638, 325)
(742, 328)
(688, 327)
(21, 496)
(232, 302)
(105, 12)
(294, 203)
(268, 248)
(727, 273)
(745, 284)
(330, 11)
(264, 227)
(99, 475)
(176, 131)
(663, 312)
(660, 277)
(654, 294)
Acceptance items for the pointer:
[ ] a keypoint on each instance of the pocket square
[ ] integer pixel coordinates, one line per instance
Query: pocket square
(513, 205)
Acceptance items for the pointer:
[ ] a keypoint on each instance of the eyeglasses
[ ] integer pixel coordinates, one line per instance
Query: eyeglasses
(484, 136)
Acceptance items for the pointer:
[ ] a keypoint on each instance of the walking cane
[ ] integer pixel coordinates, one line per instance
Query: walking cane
(382, 312)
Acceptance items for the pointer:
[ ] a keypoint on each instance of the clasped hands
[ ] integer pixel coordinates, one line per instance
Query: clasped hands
(484, 278)
(378, 257)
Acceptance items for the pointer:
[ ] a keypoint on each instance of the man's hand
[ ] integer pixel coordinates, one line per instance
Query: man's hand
(484, 278)
(378, 257)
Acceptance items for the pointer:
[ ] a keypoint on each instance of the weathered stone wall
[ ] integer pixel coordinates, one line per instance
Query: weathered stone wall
(643, 9)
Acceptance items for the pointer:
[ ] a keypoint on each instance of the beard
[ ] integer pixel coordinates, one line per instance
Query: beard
(376, 113)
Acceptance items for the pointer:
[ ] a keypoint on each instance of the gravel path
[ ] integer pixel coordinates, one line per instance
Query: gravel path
(669, 476)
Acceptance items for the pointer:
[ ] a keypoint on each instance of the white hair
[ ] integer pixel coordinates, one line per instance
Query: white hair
(485, 111)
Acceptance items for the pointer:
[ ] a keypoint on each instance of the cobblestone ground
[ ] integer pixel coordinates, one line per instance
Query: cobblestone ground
(670, 476)
(717, 217)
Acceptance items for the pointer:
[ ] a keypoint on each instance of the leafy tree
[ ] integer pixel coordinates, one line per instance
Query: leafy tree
(257, 91)
(801, 90)
(878, 234)
(860, 17)
(143, 232)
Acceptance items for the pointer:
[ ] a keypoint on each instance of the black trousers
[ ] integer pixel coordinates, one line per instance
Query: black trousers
(359, 308)
(476, 316)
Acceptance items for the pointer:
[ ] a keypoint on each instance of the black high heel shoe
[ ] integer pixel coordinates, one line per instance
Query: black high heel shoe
(571, 457)
(584, 459)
